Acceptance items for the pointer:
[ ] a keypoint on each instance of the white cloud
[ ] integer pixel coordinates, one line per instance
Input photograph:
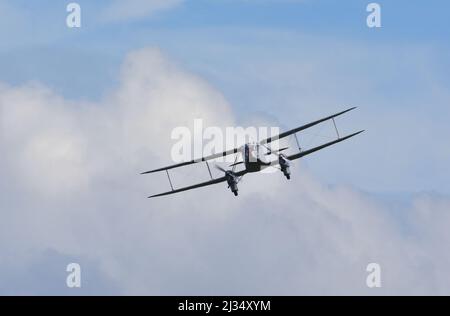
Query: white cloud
(137, 9)
(70, 184)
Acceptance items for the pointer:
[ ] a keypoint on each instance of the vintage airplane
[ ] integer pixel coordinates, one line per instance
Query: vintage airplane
(253, 158)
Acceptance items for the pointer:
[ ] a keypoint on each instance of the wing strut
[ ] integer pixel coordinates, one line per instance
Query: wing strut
(209, 170)
(301, 128)
(335, 127)
(298, 144)
(310, 151)
(170, 181)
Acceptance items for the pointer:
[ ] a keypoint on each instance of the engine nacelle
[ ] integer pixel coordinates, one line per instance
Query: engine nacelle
(285, 166)
(232, 182)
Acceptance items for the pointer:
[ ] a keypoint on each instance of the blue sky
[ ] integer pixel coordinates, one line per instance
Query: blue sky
(38, 44)
(229, 42)
(100, 112)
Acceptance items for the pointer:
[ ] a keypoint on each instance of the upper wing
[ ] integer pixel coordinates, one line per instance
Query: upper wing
(298, 129)
(199, 185)
(213, 156)
(310, 151)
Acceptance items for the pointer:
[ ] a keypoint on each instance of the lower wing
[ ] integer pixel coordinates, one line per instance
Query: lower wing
(199, 185)
(310, 151)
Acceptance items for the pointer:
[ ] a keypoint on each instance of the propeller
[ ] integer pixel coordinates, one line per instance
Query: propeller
(234, 164)
(223, 170)
(220, 168)
(275, 152)
(226, 171)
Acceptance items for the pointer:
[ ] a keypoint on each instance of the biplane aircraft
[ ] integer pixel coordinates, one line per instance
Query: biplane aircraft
(253, 158)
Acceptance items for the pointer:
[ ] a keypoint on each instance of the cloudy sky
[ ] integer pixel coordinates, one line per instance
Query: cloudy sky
(83, 111)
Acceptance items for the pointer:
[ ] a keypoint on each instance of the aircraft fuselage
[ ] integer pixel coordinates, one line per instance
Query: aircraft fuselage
(254, 158)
